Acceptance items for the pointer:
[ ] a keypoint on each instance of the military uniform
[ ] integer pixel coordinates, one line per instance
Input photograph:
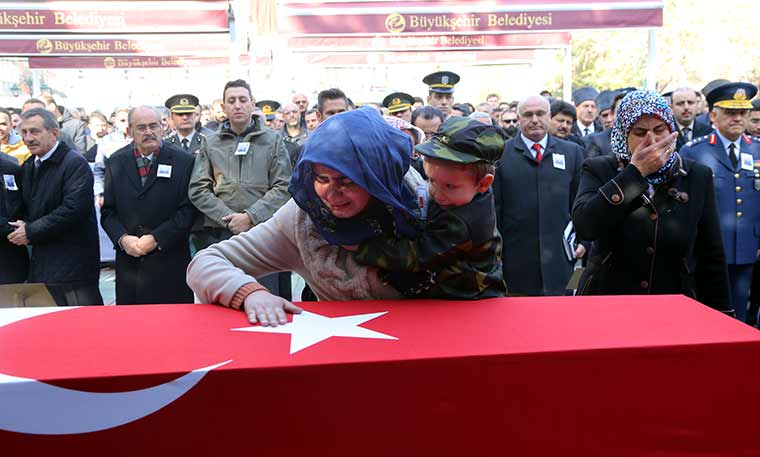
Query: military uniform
(183, 104)
(458, 253)
(399, 104)
(737, 188)
(268, 109)
(441, 90)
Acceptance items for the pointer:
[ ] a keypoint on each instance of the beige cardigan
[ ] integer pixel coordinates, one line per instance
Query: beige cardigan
(286, 242)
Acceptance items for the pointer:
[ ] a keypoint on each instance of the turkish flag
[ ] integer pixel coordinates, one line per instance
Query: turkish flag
(621, 376)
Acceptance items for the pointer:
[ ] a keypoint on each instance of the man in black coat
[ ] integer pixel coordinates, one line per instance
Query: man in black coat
(535, 185)
(684, 102)
(147, 214)
(14, 265)
(60, 216)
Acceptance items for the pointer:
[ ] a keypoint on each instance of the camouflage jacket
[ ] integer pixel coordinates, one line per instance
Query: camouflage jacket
(457, 255)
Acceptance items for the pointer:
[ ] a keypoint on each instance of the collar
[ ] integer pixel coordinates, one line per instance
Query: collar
(152, 154)
(582, 127)
(529, 143)
(726, 142)
(49, 153)
(690, 126)
(189, 137)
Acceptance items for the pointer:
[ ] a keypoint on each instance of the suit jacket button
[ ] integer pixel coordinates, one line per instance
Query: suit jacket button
(650, 250)
(738, 188)
(644, 284)
(738, 214)
(736, 175)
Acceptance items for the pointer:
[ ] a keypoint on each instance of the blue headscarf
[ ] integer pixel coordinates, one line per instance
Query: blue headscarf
(633, 106)
(364, 148)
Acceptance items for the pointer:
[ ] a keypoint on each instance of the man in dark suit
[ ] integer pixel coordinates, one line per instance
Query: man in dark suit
(59, 222)
(14, 266)
(586, 112)
(534, 188)
(183, 109)
(562, 117)
(683, 102)
(147, 214)
(734, 158)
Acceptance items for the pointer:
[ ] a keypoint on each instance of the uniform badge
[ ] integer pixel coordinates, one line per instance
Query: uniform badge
(184, 102)
(396, 101)
(747, 161)
(444, 79)
(740, 94)
(757, 184)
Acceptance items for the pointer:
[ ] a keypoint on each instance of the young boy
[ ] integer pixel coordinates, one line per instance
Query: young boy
(458, 253)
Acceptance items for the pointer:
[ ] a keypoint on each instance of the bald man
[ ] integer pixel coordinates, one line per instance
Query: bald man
(535, 185)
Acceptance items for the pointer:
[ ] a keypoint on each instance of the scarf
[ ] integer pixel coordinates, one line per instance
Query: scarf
(633, 106)
(363, 147)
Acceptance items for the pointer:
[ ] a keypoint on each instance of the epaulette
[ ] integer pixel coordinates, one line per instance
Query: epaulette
(696, 140)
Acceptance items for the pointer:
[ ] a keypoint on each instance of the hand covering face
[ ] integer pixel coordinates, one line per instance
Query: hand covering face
(633, 106)
(363, 147)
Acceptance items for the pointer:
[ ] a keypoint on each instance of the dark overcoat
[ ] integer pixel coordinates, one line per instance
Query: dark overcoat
(60, 219)
(162, 208)
(668, 243)
(14, 260)
(533, 202)
(598, 144)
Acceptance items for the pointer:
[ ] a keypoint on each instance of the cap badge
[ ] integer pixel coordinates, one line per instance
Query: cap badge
(396, 101)
(443, 139)
(444, 79)
(266, 109)
(740, 94)
(183, 101)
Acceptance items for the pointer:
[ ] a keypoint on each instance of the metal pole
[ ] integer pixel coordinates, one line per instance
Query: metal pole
(651, 83)
(36, 83)
(567, 76)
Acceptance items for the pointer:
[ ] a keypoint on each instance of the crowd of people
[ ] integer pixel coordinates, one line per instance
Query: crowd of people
(651, 193)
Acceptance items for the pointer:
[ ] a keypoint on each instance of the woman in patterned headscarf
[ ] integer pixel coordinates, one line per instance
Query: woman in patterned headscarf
(650, 214)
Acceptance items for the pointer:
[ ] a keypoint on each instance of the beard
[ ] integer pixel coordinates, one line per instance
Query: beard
(511, 131)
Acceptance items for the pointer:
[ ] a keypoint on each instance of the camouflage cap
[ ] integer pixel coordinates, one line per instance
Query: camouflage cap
(465, 140)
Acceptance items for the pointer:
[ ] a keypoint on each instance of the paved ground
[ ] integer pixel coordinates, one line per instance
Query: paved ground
(108, 286)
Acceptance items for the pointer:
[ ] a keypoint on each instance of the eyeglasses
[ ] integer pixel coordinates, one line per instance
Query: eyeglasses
(142, 128)
(509, 121)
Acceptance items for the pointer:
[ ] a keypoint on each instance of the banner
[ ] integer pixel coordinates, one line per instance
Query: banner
(392, 43)
(210, 44)
(127, 62)
(390, 58)
(114, 17)
(431, 17)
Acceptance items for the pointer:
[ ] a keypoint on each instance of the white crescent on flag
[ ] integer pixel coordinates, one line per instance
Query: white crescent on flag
(34, 407)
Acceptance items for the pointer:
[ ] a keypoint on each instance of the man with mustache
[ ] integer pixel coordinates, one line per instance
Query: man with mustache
(561, 121)
(240, 177)
(147, 213)
(684, 102)
(59, 221)
(734, 158)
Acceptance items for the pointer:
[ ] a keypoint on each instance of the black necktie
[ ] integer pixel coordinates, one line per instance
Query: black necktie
(586, 131)
(732, 155)
(185, 144)
(686, 133)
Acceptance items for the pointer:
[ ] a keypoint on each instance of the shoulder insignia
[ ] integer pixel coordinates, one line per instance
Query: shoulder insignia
(713, 139)
(746, 138)
(696, 141)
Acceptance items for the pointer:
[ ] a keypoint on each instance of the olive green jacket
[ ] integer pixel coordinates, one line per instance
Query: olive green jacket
(256, 183)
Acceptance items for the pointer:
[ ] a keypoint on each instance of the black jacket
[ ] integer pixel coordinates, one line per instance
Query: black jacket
(14, 260)
(161, 208)
(669, 244)
(60, 216)
(598, 144)
(700, 129)
(533, 203)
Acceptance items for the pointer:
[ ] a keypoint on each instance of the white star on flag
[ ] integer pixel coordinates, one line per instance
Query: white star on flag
(308, 329)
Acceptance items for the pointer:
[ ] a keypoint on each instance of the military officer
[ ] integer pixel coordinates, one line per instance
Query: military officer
(734, 158)
(399, 104)
(441, 90)
(184, 116)
(269, 110)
